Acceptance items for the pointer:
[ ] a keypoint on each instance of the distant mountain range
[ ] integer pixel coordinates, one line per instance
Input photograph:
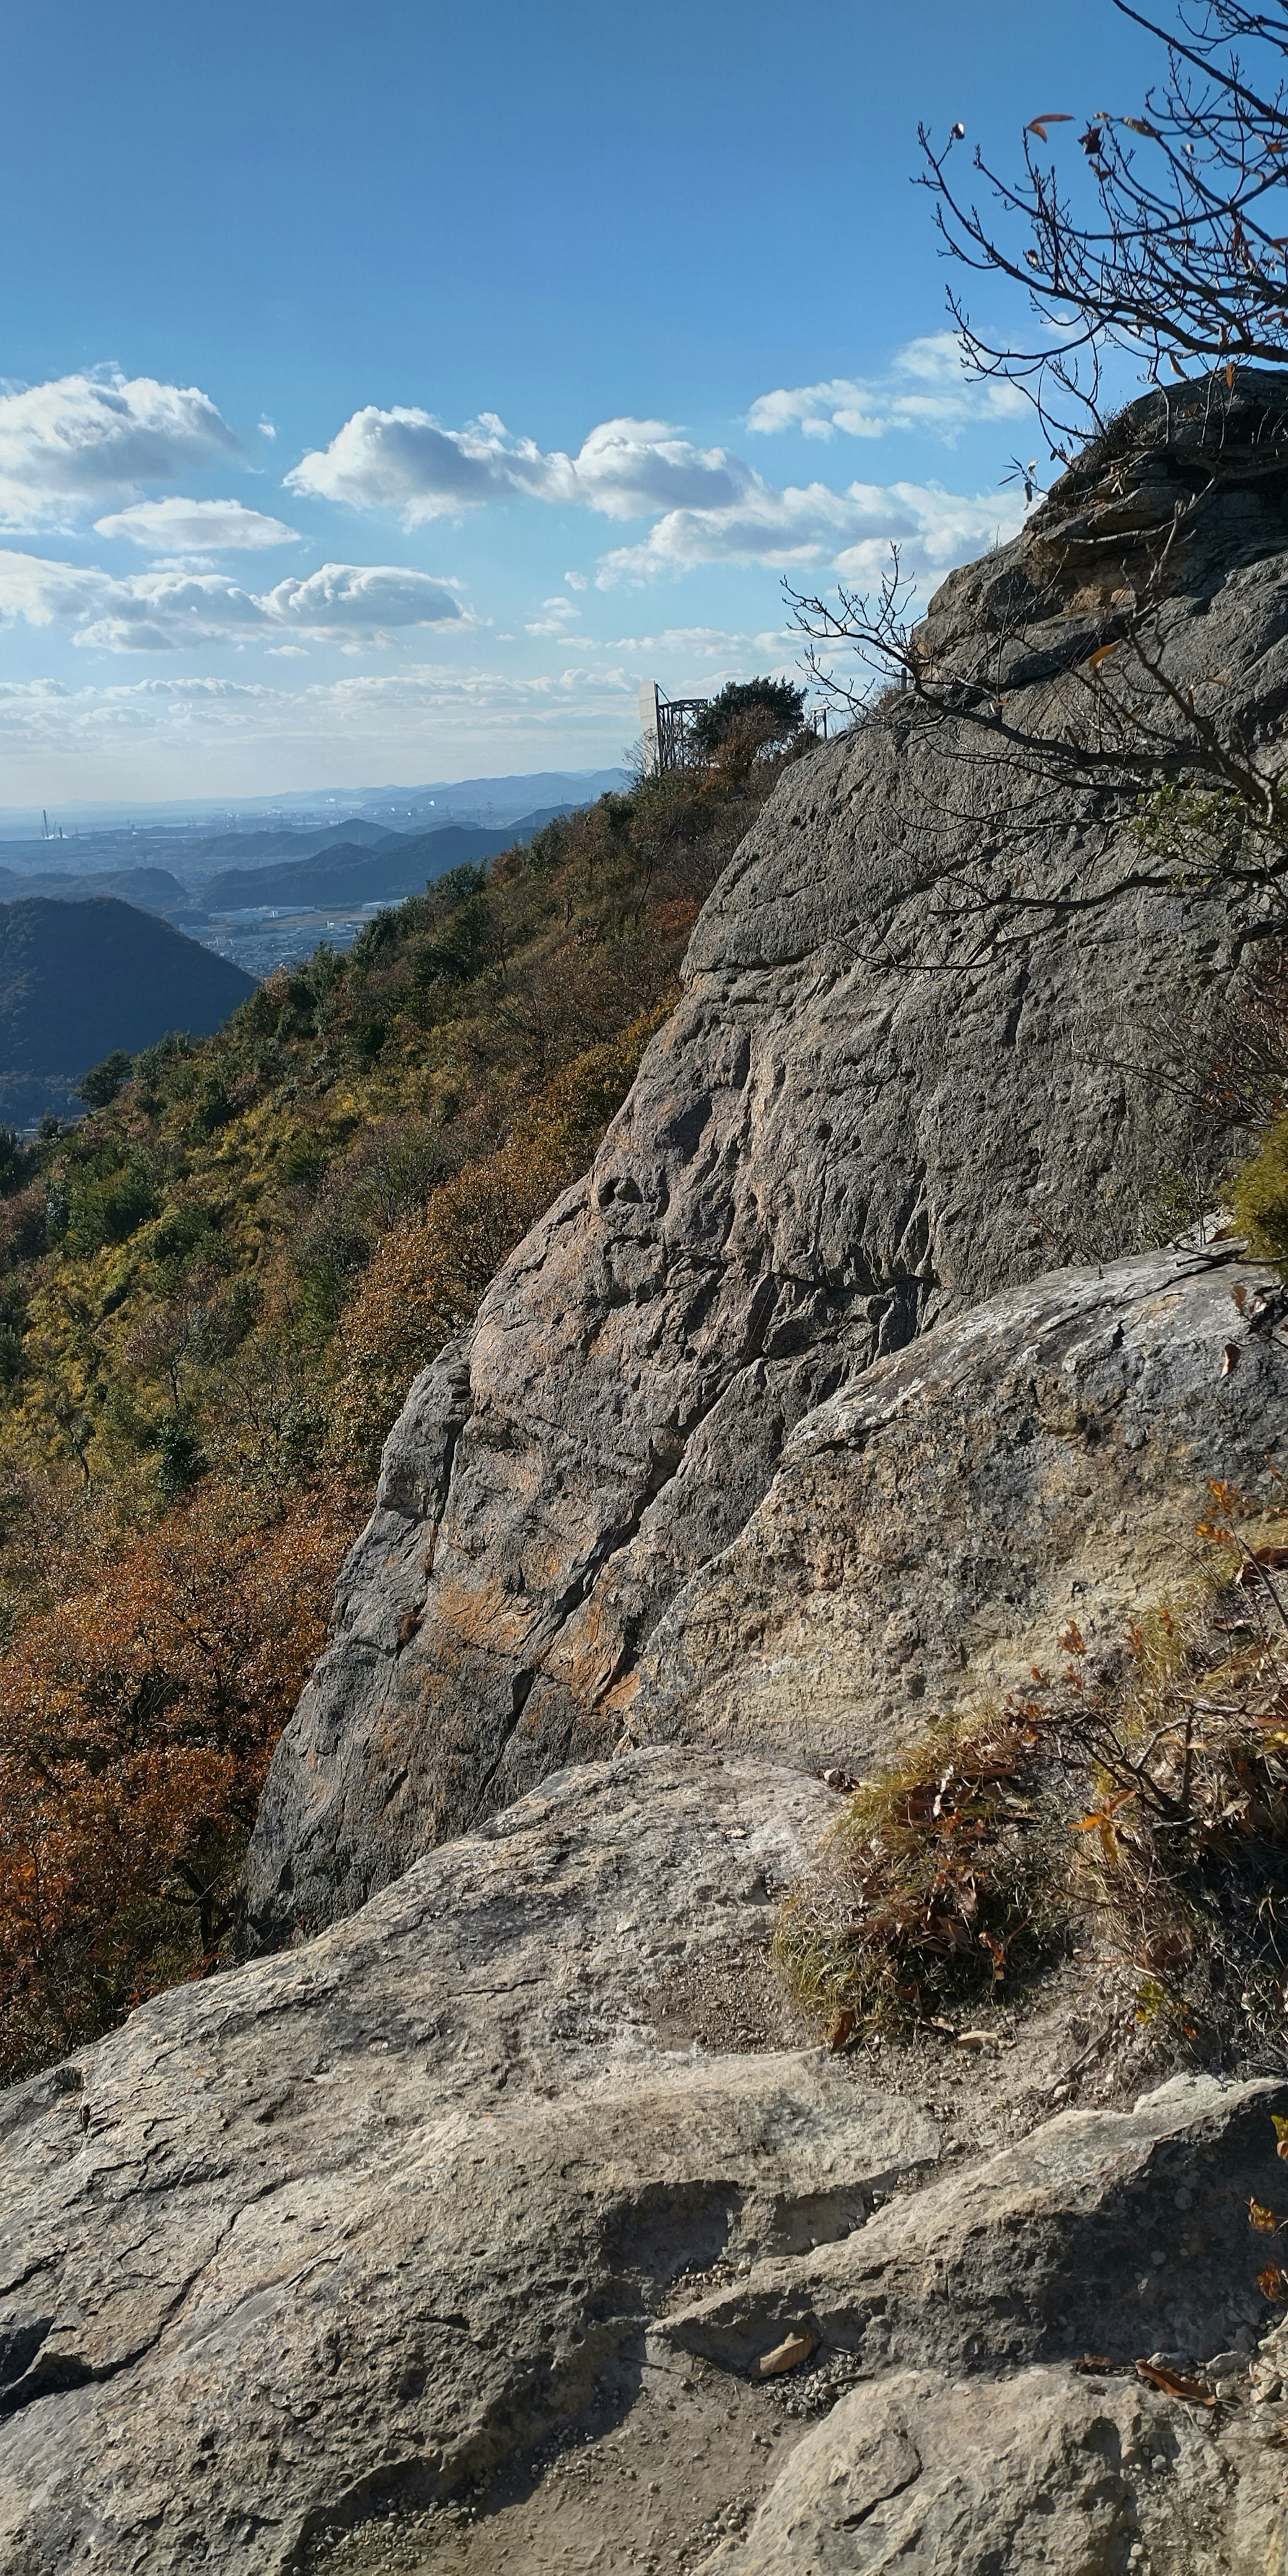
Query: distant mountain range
(351, 863)
(78, 980)
(153, 889)
(491, 801)
(402, 863)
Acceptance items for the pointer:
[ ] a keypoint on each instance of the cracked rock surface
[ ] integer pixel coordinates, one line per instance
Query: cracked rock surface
(932, 1527)
(942, 2477)
(321, 2264)
(833, 1145)
(366, 2220)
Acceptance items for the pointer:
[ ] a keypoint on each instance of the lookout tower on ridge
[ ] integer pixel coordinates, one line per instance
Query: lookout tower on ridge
(664, 725)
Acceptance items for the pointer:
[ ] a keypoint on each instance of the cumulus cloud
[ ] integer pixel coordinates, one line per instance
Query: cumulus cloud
(707, 505)
(196, 527)
(851, 531)
(405, 460)
(927, 387)
(84, 441)
(173, 607)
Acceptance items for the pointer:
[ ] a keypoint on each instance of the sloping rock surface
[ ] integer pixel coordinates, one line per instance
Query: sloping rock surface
(933, 1527)
(300, 2254)
(1100, 2229)
(360, 2222)
(860, 1122)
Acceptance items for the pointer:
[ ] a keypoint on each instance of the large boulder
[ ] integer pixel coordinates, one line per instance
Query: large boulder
(863, 1118)
(944, 2477)
(932, 1529)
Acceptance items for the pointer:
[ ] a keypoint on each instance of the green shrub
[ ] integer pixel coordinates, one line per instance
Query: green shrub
(108, 1207)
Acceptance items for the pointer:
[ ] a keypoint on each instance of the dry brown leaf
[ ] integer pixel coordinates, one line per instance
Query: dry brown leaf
(841, 2032)
(1100, 655)
(787, 2355)
(1233, 1355)
(1172, 2384)
(1262, 2218)
(1273, 2282)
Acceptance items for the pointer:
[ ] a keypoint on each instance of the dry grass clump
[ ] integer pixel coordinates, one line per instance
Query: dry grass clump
(1183, 1852)
(939, 1880)
(1139, 1802)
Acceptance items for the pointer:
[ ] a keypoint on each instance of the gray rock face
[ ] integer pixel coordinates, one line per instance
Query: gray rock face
(827, 1151)
(356, 2223)
(298, 2254)
(1118, 2231)
(932, 1528)
(942, 2477)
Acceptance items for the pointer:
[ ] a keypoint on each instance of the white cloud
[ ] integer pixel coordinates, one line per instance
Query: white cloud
(851, 531)
(83, 441)
(927, 388)
(707, 505)
(405, 460)
(196, 527)
(558, 614)
(414, 714)
(173, 607)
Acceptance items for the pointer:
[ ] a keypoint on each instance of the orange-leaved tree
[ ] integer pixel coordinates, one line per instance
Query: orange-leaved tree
(136, 1723)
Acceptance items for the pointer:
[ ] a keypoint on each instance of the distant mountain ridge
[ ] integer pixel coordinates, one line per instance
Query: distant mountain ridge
(150, 889)
(403, 865)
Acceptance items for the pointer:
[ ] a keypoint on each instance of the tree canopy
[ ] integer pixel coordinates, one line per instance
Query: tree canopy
(771, 710)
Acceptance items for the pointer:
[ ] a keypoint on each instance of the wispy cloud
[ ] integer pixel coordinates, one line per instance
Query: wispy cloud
(177, 526)
(174, 607)
(81, 442)
(403, 713)
(926, 387)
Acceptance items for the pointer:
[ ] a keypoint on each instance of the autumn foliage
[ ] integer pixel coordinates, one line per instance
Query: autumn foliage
(215, 1292)
(136, 1723)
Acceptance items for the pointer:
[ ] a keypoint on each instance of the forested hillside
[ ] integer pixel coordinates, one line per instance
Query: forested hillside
(214, 1293)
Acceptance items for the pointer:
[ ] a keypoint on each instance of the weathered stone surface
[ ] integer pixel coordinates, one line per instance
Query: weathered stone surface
(300, 2252)
(943, 2477)
(932, 1528)
(1104, 2230)
(357, 2222)
(826, 1152)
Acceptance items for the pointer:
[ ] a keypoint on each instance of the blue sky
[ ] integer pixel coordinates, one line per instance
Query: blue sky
(386, 391)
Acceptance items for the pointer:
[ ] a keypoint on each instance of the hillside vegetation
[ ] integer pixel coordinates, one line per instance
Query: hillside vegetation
(214, 1293)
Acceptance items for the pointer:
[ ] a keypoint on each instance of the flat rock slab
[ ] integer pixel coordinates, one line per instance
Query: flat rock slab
(1039, 2472)
(933, 1527)
(351, 2225)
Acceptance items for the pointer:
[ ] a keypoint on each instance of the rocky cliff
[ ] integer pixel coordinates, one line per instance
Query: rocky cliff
(839, 1141)
(519, 2217)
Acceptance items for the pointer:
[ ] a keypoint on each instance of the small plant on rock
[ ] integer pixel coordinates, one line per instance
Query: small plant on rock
(940, 1881)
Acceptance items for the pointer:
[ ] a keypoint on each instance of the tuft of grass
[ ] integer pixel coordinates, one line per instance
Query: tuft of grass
(1139, 1798)
(1183, 1852)
(941, 1881)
